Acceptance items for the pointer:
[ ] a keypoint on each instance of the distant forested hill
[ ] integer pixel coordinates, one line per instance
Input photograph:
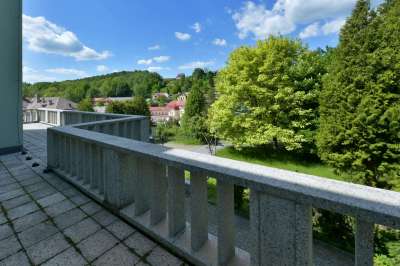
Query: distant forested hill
(119, 84)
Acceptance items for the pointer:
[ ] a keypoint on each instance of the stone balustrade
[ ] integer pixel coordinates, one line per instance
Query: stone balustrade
(145, 184)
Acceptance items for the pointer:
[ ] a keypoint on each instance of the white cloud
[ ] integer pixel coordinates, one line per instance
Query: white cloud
(145, 61)
(310, 31)
(102, 68)
(219, 42)
(31, 75)
(197, 64)
(161, 59)
(157, 68)
(197, 27)
(286, 15)
(333, 26)
(315, 29)
(154, 47)
(182, 36)
(46, 37)
(67, 72)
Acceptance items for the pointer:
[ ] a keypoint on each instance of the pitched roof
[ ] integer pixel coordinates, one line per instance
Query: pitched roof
(49, 102)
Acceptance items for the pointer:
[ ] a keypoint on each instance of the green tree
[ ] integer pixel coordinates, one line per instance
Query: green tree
(86, 105)
(269, 94)
(194, 118)
(116, 107)
(360, 103)
(137, 106)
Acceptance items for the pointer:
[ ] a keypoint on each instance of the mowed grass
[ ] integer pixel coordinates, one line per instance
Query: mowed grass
(270, 158)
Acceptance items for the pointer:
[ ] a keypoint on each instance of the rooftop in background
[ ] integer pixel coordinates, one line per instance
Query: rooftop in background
(48, 102)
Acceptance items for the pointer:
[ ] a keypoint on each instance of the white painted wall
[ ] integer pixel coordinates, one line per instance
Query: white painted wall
(10, 75)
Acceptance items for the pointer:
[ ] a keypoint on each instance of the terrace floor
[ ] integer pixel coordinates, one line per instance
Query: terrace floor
(46, 221)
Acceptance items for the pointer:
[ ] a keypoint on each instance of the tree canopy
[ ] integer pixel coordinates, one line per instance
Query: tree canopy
(269, 94)
(360, 103)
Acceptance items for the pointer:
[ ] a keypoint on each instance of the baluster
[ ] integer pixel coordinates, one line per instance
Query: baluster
(62, 152)
(102, 170)
(199, 210)
(142, 181)
(176, 201)
(67, 155)
(364, 243)
(96, 167)
(281, 231)
(52, 159)
(226, 220)
(158, 197)
(86, 168)
(80, 157)
(144, 130)
(74, 157)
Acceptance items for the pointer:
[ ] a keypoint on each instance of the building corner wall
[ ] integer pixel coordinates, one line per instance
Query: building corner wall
(10, 76)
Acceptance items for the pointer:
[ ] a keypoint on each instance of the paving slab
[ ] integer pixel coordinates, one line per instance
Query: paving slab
(161, 257)
(22, 210)
(9, 246)
(48, 248)
(91, 208)
(51, 199)
(69, 218)
(120, 229)
(82, 230)
(97, 244)
(5, 231)
(37, 233)
(117, 256)
(59, 208)
(18, 259)
(15, 202)
(67, 258)
(104, 217)
(29, 220)
(140, 243)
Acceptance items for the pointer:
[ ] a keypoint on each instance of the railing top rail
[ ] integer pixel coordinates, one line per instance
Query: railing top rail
(108, 121)
(371, 204)
(96, 114)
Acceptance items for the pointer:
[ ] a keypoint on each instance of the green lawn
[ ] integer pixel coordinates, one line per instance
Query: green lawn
(282, 161)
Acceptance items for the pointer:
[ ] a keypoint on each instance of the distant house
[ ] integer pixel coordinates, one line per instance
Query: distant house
(100, 104)
(173, 111)
(48, 102)
(159, 95)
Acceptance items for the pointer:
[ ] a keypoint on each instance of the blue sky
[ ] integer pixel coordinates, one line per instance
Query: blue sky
(69, 39)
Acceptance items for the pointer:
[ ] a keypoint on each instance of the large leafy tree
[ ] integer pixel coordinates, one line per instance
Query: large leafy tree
(269, 94)
(360, 104)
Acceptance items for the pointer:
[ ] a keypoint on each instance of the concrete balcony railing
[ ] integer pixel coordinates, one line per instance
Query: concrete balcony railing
(57, 117)
(145, 184)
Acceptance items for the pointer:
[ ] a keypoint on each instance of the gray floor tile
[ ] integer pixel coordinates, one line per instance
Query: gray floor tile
(80, 199)
(15, 202)
(140, 243)
(37, 233)
(59, 208)
(120, 229)
(29, 220)
(48, 248)
(5, 231)
(117, 256)
(3, 219)
(18, 259)
(91, 208)
(82, 230)
(22, 210)
(8, 247)
(67, 258)
(11, 194)
(69, 218)
(104, 217)
(51, 199)
(160, 256)
(97, 244)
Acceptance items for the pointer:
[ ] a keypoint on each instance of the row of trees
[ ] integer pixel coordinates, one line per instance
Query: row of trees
(341, 104)
(121, 84)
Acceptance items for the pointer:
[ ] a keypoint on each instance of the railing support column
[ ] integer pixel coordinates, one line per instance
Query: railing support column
(52, 150)
(142, 187)
(282, 231)
(364, 243)
(158, 197)
(176, 201)
(199, 210)
(226, 222)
